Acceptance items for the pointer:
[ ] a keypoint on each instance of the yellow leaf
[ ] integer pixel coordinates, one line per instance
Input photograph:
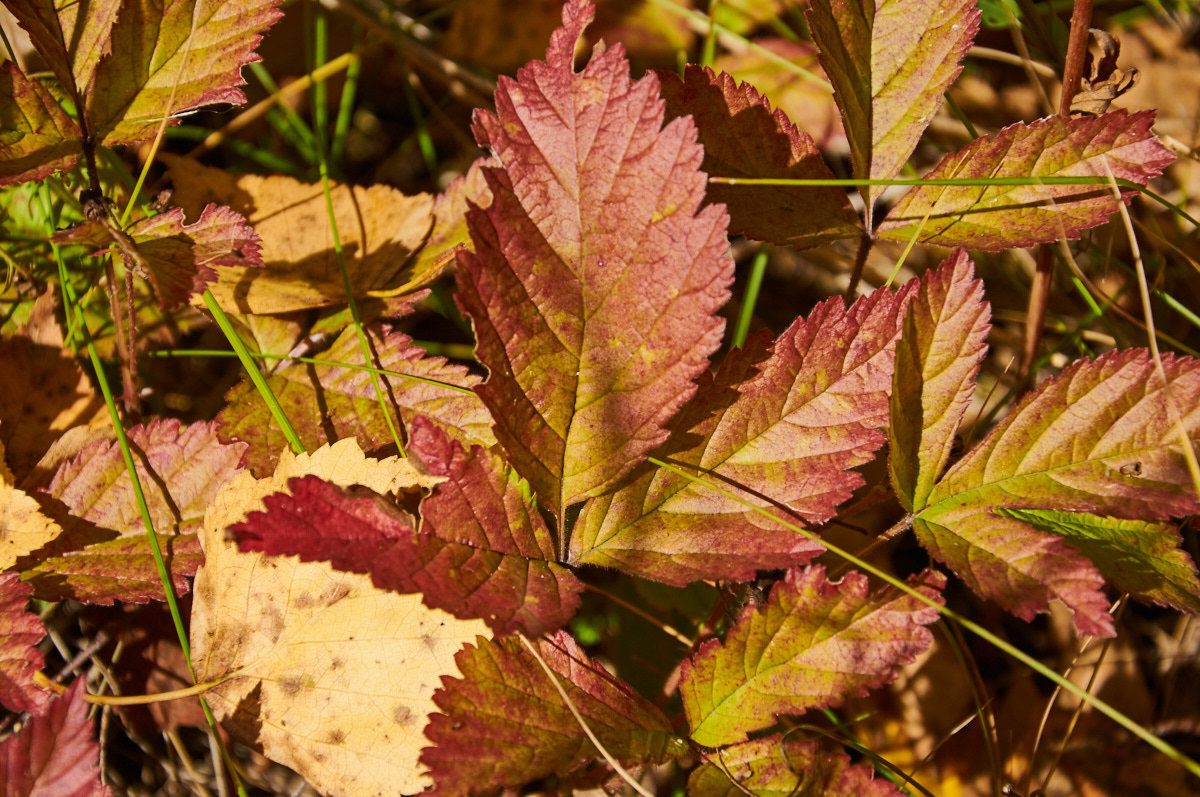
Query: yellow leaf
(380, 229)
(333, 677)
(23, 527)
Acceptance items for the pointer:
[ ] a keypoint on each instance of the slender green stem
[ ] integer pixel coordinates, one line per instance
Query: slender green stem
(252, 370)
(1018, 654)
(757, 269)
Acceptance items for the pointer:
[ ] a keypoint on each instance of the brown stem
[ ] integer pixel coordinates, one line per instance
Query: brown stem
(129, 372)
(1039, 291)
(860, 261)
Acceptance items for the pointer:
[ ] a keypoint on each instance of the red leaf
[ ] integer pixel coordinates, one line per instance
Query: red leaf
(20, 632)
(1006, 216)
(360, 532)
(1098, 439)
(789, 429)
(812, 645)
(504, 724)
(40, 138)
(71, 44)
(326, 403)
(937, 359)
(743, 137)
(55, 754)
(595, 280)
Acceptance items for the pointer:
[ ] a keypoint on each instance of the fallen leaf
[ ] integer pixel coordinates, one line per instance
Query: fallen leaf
(331, 676)
(23, 526)
(380, 229)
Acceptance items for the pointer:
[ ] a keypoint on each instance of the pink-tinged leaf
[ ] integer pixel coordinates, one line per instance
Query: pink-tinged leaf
(1007, 216)
(176, 258)
(504, 724)
(789, 429)
(70, 45)
(595, 276)
(120, 569)
(103, 553)
(890, 61)
(1098, 439)
(798, 90)
(778, 766)
(743, 137)
(812, 645)
(937, 359)
(20, 631)
(167, 59)
(55, 753)
(1139, 557)
(361, 532)
(326, 403)
(181, 257)
(39, 138)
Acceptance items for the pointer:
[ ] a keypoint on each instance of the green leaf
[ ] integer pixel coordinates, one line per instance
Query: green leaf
(37, 138)
(1099, 439)
(997, 217)
(595, 276)
(890, 61)
(743, 137)
(504, 724)
(166, 60)
(812, 645)
(779, 766)
(1137, 556)
(937, 359)
(784, 424)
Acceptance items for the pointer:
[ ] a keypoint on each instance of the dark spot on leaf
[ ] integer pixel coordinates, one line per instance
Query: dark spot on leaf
(336, 736)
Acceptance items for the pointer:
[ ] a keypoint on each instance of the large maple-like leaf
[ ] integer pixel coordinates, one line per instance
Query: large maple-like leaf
(20, 632)
(55, 753)
(595, 279)
(812, 645)
(1098, 439)
(166, 59)
(331, 402)
(37, 138)
(103, 553)
(504, 724)
(778, 766)
(743, 137)
(890, 62)
(787, 430)
(937, 358)
(328, 674)
(1006, 216)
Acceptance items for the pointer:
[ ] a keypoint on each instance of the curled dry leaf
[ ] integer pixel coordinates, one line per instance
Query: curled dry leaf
(331, 676)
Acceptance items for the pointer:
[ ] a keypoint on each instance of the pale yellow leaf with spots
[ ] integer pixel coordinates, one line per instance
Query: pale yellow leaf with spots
(333, 677)
(23, 527)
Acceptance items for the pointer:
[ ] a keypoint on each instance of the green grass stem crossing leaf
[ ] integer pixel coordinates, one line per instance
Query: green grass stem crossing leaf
(1099, 440)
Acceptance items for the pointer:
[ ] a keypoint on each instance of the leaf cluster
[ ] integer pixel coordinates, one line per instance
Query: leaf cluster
(388, 552)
